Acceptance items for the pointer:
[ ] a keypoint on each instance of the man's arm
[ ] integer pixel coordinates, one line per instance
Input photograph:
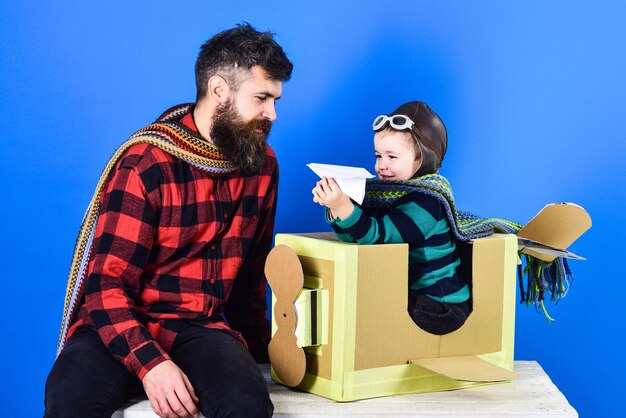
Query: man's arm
(124, 237)
(123, 240)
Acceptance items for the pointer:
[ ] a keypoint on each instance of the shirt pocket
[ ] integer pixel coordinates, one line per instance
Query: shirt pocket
(248, 216)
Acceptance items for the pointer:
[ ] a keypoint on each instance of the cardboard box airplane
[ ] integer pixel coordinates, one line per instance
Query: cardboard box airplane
(340, 323)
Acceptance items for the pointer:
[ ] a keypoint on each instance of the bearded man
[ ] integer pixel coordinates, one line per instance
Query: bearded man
(166, 292)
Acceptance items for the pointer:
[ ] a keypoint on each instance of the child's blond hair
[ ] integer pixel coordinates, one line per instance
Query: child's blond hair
(406, 137)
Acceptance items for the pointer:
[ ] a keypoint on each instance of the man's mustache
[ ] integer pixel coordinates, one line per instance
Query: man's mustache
(265, 125)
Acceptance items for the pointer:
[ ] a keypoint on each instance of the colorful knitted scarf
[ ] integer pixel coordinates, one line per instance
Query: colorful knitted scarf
(167, 134)
(535, 279)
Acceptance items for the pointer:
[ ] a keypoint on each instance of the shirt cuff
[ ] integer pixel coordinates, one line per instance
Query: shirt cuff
(349, 221)
(145, 358)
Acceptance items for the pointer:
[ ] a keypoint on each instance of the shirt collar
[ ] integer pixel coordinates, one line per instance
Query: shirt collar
(188, 121)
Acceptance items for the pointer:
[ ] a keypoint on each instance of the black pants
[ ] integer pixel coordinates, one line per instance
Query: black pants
(437, 317)
(86, 381)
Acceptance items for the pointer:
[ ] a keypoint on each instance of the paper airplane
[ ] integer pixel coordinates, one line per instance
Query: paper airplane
(350, 179)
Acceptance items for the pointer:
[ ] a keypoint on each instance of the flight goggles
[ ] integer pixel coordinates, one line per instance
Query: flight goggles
(397, 122)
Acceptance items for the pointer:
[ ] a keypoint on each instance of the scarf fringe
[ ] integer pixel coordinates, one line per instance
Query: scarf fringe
(544, 279)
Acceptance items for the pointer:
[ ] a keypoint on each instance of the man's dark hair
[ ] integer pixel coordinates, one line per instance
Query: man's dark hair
(240, 48)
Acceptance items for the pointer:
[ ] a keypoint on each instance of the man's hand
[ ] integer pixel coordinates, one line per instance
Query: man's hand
(328, 193)
(170, 391)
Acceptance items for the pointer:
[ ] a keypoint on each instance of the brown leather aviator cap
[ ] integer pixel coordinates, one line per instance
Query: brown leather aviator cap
(429, 132)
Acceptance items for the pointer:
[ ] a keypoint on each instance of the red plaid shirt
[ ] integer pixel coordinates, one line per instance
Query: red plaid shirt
(173, 243)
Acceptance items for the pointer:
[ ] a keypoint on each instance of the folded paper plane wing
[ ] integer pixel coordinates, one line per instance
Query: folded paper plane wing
(466, 368)
(350, 179)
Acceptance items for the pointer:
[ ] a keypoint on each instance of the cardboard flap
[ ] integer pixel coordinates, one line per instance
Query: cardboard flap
(557, 225)
(466, 368)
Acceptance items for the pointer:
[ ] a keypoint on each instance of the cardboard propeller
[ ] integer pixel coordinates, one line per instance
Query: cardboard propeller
(284, 274)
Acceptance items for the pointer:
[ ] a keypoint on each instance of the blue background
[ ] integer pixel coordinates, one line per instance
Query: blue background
(532, 94)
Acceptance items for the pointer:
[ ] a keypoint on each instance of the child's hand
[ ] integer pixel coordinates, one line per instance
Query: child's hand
(328, 193)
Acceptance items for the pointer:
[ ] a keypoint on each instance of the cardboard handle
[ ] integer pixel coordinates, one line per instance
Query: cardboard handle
(312, 317)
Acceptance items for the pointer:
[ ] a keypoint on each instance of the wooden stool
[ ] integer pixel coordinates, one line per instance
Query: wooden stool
(532, 395)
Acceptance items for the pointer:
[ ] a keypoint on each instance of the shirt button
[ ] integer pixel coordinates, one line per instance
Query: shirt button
(226, 216)
(213, 246)
(254, 217)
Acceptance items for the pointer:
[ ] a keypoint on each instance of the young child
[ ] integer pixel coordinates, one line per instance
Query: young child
(409, 143)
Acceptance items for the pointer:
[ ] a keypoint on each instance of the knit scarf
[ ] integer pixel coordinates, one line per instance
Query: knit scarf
(168, 134)
(535, 279)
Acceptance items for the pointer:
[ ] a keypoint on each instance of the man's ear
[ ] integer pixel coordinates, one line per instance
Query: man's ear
(218, 90)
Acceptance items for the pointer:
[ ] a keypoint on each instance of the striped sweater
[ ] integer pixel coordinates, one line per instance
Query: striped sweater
(420, 221)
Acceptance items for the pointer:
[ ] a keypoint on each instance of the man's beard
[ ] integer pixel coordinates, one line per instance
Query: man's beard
(238, 140)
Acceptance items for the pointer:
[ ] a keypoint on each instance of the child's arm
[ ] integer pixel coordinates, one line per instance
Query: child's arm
(328, 193)
(410, 221)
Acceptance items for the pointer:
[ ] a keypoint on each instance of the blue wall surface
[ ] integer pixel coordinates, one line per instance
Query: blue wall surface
(532, 92)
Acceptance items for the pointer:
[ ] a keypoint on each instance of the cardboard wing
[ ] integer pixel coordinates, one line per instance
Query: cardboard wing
(466, 369)
(552, 230)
